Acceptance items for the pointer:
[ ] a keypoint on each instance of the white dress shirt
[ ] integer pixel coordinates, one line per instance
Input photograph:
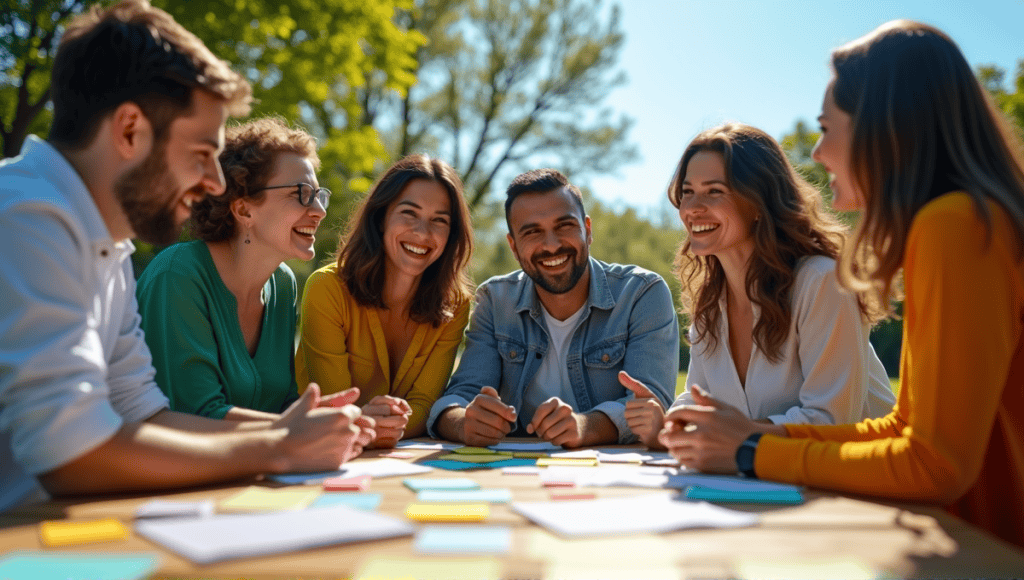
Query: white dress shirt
(828, 372)
(73, 362)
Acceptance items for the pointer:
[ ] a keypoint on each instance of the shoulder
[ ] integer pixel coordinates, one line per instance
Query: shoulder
(182, 260)
(628, 273)
(325, 279)
(507, 286)
(814, 271)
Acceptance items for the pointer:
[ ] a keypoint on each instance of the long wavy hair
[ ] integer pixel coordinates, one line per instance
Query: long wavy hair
(922, 126)
(361, 259)
(792, 224)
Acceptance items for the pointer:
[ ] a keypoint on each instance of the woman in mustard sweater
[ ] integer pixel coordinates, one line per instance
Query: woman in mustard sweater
(389, 314)
(911, 139)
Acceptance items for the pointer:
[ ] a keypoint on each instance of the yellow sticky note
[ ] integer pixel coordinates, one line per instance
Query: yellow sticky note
(262, 499)
(576, 461)
(392, 568)
(473, 458)
(474, 451)
(528, 454)
(63, 533)
(451, 512)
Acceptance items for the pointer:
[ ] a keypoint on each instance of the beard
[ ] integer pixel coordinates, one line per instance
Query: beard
(561, 283)
(147, 197)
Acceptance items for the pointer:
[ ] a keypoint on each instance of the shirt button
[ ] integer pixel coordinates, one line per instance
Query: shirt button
(605, 357)
(512, 354)
(104, 252)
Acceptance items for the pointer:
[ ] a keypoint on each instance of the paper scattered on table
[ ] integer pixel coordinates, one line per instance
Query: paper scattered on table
(451, 465)
(263, 499)
(228, 536)
(447, 512)
(360, 483)
(421, 483)
(71, 533)
(77, 565)
(493, 495)
(566, 461)
(541, 446)
(435, 445)
(609, 476)
(463, 540)
(162, 508)
(390, 568)
(521, 470)
(363, 501)
(631, 515)
(385, 467)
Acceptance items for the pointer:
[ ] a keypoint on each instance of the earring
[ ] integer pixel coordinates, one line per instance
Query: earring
(247, 235)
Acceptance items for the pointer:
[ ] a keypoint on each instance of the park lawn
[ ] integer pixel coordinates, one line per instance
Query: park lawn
(894, 382)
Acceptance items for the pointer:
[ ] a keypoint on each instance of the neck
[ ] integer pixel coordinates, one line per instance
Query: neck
(99, 175)
(399, 290)
(562, 306)
(736, 278)
(241, 268)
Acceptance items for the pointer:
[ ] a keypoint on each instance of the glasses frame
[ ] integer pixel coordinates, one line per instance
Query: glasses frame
(321, 193)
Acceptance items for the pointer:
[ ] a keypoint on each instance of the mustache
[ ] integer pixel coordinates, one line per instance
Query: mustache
(556, 254)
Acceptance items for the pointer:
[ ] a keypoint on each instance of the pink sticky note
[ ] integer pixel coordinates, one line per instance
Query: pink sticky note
(559, 484)
(398, 455)
(360, 483)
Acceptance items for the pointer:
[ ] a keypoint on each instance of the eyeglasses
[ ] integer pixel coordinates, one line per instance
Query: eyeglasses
(307, 193)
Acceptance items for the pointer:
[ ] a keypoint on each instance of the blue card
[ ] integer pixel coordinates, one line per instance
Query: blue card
(457, 465)
(464, 540)
(77, 565)
(421, 483)
(362, 501)
(789, 496)
(494, 495)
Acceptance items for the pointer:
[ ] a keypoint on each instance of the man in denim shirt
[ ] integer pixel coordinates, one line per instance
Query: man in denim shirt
(546, 344)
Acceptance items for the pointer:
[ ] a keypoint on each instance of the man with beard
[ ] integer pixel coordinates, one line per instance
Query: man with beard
(139, 111)
(546, 344)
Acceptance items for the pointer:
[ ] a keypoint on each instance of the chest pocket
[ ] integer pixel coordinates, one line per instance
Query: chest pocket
(605, 356)
(512, 352)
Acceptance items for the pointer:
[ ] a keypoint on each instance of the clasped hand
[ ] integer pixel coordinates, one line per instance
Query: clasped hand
(488, 420)
(322, 433)
(706, 436)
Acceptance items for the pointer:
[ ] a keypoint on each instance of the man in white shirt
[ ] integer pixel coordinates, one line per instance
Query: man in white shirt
(139, 111)
(546, 344)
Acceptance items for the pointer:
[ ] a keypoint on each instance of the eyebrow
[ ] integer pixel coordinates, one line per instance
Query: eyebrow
(710, 182)
(417, 206)
(562, 219)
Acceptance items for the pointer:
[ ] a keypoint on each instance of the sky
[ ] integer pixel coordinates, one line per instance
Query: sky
(692, 64)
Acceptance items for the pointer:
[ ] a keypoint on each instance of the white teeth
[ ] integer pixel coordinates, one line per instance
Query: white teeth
(415, 249)
(698, 228)
(555, 262)
(307, 231)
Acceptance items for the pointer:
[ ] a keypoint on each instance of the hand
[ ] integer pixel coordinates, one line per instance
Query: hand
(644, 414)
(555, 421)
(390, 415)
(487, 420)
(366, 436)
(315, 439)
(346, 397)
(706, 436)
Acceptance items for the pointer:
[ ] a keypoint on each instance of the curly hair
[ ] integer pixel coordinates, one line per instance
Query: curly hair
(250, 151)
(922, 125)
(361, 259)
(793, 224)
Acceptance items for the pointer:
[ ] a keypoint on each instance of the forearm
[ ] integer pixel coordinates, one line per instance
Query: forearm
(597, 429)
(241, 414)
(449, 423)
(200, 424)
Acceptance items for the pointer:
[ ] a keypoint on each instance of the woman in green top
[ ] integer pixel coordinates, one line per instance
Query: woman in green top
(219, 312)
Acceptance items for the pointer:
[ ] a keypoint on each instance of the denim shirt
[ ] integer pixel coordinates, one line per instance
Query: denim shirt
(629, 323)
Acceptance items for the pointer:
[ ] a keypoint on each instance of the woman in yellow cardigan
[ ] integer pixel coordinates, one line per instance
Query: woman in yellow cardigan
(389, 314)
(911, 139)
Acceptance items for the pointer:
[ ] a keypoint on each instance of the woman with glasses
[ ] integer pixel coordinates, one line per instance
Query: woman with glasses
(389, 314)
(219, 312)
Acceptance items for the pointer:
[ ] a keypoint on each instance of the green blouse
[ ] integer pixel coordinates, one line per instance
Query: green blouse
(190, 319)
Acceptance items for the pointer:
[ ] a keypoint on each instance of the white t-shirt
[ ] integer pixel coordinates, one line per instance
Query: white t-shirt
(552, 378)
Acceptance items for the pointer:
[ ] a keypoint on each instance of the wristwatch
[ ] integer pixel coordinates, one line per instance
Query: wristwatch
(745, 456)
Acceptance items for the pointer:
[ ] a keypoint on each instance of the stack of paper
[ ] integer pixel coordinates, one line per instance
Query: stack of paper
(386, 467)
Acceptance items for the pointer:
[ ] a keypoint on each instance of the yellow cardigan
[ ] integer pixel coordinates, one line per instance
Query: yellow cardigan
(342, 345)
(956, 434)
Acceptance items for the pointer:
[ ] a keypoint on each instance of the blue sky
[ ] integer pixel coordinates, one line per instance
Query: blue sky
(692, 64)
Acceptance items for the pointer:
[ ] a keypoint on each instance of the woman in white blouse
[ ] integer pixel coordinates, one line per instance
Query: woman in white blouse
(772, 332)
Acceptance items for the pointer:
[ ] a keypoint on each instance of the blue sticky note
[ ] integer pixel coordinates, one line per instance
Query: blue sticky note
(495, 495)
(303, 478)
(464, 540)
(421, 483)
(457, 465)
(789, 496)
(363, 501)
(77, 565)
(512, 463)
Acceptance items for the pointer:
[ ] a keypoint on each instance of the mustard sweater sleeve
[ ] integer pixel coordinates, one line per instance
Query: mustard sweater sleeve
(322, 356)
(429, 385)
(957, 348)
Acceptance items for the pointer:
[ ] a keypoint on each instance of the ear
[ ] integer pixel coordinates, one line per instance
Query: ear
(240, 209)
(131, 133)
(586, 227)
(512, 245)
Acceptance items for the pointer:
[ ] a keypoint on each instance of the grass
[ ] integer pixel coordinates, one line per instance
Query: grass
(894, 382)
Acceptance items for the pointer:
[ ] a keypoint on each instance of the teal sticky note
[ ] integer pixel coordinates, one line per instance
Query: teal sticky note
(362, 501)
(457, 465)
(77, 565)
(494, 495)
(518, 462)
(789, 496)
(421, 483)
(464, 540)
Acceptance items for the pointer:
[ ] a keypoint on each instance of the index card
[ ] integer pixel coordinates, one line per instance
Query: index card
(260, 499)
(496, 495)
(421, 483)
(69, 533)
(160, 508)
(464, 540)
(78, 565)
(453, 512)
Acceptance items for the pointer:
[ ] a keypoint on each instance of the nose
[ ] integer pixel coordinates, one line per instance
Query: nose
(213, 177)
(317, 208)
(816, 152)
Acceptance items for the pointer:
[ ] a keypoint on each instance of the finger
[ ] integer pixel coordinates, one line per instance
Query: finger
(484, 417)
(540, 414)
(346, 397)
(401, 406)
(702, 397)
(495, 407)
(310, 397)
(488, 432)
(558, 414)
(551, 431)
(392, 422)
(375, 410)
(639, 389)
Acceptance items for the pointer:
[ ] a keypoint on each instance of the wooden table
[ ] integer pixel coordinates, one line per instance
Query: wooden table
(827, 536)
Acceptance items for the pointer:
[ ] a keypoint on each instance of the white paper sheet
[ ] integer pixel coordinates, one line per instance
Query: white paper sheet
(435, 445)
(161, 508)
(225, 537)
(385, 467)
(653, 513)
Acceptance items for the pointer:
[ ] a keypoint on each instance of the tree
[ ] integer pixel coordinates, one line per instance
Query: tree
(29, 33)
(1011, 103)
(508, 85)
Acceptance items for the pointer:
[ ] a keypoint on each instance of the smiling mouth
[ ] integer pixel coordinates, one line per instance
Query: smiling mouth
(308, 232)
(554, 262)
(418, 250)
(703, 228)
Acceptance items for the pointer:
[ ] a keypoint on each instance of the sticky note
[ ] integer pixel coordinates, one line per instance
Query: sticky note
(472, 458)
(399, 455)
(577, 461)
(463, 540)
(521, 470)
(572, 495)
(421, 483)
(390, 568)
(494, 495)
(77, 565)
(159, 508)
(361, 483)
(474, 451)
(65, 533)
(442, 512)
(262, 499)
(558, 483)
(528, 454)
(792, 496)
(362, 501)
(456, 465)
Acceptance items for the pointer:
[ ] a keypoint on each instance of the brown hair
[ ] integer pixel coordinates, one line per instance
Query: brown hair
(793, 224)
(250, 153)
(540, 181)
(922, 125)
(361, 259)
(133, 52)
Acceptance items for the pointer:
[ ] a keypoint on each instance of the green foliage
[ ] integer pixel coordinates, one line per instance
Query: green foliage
(1011, 103)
